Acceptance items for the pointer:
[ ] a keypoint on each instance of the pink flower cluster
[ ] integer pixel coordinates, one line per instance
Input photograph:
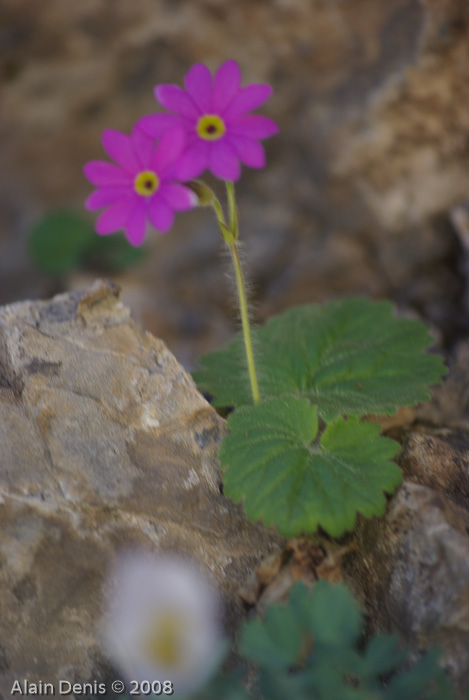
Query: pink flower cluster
(208, 127)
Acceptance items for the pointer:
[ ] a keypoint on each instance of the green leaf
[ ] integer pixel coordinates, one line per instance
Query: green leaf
(347, 357)
(292, 480)
(336, 667)
(280, 686)
(274, 642)
(424, 681)
(333, 617)
(228, 687)
(383, 654)
(58, 242)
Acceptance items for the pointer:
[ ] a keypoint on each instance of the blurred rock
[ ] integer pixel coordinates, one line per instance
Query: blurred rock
(449, 406)
(373, 153)
(440, 461)
(106, 445)
(412, 567)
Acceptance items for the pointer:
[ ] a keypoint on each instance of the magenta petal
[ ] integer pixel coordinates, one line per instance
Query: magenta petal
(118, 146)
(100, 173)
(144, 146)
(226, 85)
(115, 218)
(105, 196)
(192, 162)
(249, 152)
(198, 82)
(254, 126)
(161, 216)
(248, 99)
(175, 99)
(178, 197)
(135, 228)
(168, 150)
(155, 125)
(224, 162)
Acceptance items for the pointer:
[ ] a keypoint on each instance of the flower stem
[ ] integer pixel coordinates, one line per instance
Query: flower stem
(243, 308)
(230, 236)
(232, 210)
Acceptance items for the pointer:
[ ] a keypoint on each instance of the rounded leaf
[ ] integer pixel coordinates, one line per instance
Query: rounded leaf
(289, 479)
(350, 357)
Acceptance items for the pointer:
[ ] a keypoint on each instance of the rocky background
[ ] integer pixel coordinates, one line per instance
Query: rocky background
(106, 447)
(366, 192)
(366, 184)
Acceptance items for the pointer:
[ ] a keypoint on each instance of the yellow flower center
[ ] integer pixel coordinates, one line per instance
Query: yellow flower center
(146, 183)
(164, 643)
(211, 127)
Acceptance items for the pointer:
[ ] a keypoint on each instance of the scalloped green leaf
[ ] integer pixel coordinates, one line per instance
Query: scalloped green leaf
(289, 477)
(331, 663)
(275, 641)
(332, 616)
(228, 687)
(350, 357)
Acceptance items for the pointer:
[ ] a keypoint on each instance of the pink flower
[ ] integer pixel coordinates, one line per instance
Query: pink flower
(220, 132)
(141, 186)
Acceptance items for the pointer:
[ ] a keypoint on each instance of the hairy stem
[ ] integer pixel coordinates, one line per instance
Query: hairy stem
(232, 210)
(230, 236)
(243, 308)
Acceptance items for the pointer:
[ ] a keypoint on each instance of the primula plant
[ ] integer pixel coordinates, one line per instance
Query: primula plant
(300, 453)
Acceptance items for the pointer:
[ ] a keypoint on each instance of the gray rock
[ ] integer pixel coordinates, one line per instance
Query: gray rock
(412, 567)
(105, 445)
(449, 406)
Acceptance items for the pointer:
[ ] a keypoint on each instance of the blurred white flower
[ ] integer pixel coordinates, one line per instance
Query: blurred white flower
(163, 622)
